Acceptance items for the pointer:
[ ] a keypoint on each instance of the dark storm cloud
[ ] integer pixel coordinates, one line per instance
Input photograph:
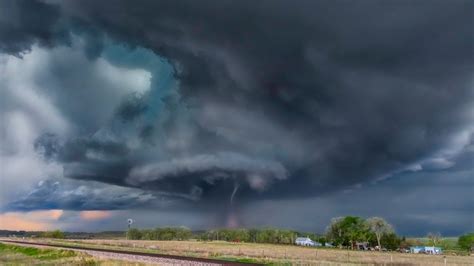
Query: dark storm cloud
(132, 108)
(47, 145)
(341, 92)
(330, 93)
(25, 22)
(55, 194)
(416, 203)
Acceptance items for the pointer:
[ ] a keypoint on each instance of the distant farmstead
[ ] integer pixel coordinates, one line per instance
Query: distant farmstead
(306, 241)
(426, 250)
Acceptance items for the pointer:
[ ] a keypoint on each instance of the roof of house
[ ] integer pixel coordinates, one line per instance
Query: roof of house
(303, 239)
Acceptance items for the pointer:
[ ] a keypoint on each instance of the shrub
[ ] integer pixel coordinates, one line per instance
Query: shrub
(466, 241)
(53, 234)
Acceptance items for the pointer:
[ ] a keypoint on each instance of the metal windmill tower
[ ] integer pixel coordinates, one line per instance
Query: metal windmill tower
(129, 223)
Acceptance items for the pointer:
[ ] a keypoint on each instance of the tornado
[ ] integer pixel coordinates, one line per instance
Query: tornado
(234, 191)
(232, 218)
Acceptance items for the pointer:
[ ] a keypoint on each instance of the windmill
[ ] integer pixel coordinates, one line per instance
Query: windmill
(130, 222)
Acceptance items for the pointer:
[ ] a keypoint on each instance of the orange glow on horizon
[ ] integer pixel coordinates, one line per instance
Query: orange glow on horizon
(29, 221)
(94, 215)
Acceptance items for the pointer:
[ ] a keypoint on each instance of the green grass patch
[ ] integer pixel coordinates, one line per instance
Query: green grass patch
(41, 254)
(242, 260)
(266, 262)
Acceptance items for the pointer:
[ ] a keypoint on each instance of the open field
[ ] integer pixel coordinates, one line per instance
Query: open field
(273, 254)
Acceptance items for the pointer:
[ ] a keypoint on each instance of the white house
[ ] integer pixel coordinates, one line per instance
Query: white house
(306, 241)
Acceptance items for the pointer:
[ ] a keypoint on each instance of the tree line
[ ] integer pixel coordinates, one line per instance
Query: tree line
(167, 233)
(343, 232)
(266, 235)
(276, 236)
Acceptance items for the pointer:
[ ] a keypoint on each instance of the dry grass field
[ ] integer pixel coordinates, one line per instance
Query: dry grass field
(276, 254)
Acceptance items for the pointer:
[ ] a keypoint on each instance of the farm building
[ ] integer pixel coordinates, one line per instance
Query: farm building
(426, 250)
(306, 241)
(362, 245)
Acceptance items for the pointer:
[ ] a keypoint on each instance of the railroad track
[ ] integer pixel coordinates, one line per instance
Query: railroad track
(136, 253)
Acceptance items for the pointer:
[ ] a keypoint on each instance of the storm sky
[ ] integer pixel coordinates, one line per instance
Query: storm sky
(236, 113)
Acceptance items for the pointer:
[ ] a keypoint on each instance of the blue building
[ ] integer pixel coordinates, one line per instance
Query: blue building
(426, 250)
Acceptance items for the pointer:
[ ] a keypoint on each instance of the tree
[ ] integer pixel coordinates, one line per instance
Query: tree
(134, 234)
(53, 234)
(466, 241)
(434, 238)
(334, 231)
(391, 241)
(379, 227)
(346, 231)
(322, 240)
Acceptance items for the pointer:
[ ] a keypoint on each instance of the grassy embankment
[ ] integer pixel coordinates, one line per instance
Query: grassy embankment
(23, 255)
